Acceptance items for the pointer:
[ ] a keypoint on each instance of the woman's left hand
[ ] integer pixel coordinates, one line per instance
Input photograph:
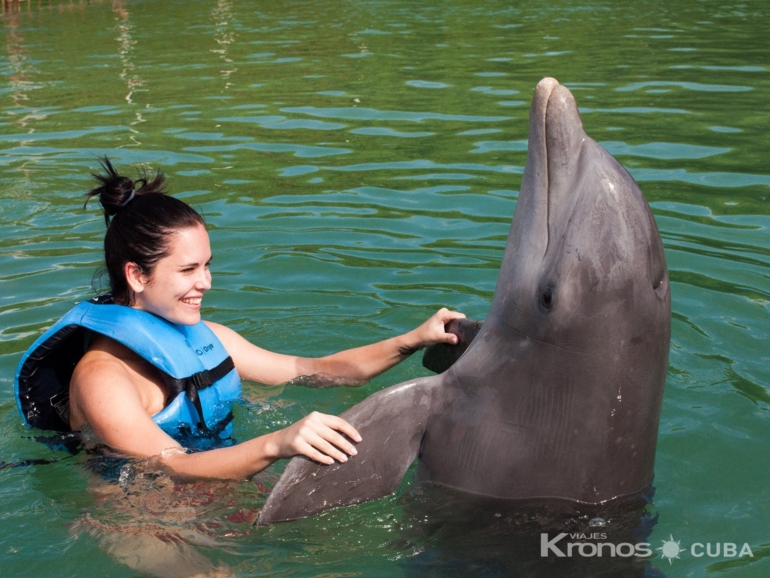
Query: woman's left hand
(432, 331)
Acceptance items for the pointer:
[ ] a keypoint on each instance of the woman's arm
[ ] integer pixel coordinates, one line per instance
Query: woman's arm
(315, 436)
(103, 396)
(357, 365)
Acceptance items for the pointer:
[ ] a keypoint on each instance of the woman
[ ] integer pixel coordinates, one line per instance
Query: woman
(126, 388)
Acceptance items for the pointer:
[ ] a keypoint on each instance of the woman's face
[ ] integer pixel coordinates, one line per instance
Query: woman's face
(175, 289)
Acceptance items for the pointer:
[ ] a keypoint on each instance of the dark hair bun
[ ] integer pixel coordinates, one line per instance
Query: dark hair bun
(116, 192)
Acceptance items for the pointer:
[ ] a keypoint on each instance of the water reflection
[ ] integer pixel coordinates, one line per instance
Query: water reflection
(224, 35)
(128, 74)
(18, 63)
(20, 84)
(153, 525)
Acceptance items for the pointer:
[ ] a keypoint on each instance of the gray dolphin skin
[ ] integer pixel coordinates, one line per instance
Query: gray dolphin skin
(559, 395)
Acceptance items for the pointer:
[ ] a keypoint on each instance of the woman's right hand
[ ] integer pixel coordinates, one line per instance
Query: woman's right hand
(318, 436)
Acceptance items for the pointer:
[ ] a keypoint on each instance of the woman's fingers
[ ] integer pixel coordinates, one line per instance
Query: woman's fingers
(432, 331)
(328, 450)
(339, 424)
(444, 317)
(318, 437)
(329, 441)
(310, 452)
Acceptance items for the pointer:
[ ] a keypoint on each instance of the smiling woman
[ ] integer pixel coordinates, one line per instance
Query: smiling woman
(139, 371)
(178, 281)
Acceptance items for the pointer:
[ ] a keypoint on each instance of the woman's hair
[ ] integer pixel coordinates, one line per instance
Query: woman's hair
(141, 219)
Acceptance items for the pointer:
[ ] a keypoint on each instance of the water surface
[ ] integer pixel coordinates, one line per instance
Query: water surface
(358, 164)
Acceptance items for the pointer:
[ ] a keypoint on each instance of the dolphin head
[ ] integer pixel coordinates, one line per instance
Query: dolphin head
(564, 382)
(584, 266)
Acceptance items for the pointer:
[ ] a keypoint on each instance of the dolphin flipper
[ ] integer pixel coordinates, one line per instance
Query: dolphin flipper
(391, 423)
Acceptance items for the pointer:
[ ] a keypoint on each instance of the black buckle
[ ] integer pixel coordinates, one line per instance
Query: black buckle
(201, 380)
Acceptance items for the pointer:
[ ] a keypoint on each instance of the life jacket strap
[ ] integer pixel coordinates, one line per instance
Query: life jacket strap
(198, 381)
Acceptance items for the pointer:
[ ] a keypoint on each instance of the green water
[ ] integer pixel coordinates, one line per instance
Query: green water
(358, 164)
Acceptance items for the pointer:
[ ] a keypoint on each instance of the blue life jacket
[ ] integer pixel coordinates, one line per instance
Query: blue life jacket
(195, 367)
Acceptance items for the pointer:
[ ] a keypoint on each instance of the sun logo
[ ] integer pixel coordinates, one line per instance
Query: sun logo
(670, 548)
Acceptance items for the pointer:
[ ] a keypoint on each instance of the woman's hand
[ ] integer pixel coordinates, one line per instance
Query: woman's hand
(432, 331)
(317, 437)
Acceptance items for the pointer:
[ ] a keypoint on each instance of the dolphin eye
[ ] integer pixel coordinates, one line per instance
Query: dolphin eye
(547, 297)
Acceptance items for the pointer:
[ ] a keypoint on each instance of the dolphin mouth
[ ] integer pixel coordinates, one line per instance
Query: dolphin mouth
(562, 136)
(555, 138)
(555, 125)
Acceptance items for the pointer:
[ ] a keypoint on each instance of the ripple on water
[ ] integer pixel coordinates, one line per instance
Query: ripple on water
(385, 131)
(427, 84)
(301, 151)
(686, 85)
(662, 150)
(386, 115)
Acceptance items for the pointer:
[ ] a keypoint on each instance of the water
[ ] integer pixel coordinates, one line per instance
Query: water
(358, 164)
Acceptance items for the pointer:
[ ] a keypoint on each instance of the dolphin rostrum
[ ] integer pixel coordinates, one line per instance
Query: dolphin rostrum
(559, 394)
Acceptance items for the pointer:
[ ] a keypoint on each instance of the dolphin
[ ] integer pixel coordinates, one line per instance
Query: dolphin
(558, 397)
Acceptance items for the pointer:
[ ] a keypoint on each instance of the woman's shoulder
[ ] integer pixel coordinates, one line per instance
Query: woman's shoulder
(227, 336)
(217, 328)
(111, 369)
(102, 365)
(106, 349)
(104, 357)
(109, 358)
